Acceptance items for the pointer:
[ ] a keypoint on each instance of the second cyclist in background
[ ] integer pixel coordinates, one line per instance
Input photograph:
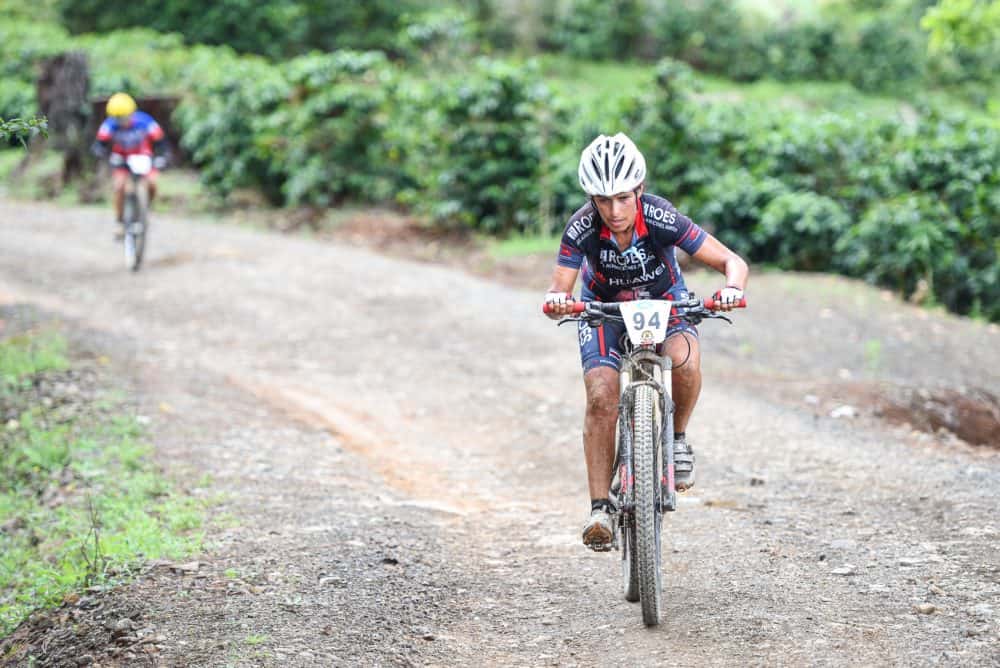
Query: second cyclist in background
(127, 131)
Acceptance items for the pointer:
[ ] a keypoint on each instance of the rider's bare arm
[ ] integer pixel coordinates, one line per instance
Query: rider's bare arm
(563, 280)
(716, 255)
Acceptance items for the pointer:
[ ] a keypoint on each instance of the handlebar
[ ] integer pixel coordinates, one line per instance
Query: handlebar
(613, 308)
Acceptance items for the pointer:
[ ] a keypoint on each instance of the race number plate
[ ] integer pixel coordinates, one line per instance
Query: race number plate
(140, 164)
(646, 320)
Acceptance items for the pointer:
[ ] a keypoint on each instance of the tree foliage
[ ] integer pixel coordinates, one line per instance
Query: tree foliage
(20, 130)
(958, 24)
(274, 29)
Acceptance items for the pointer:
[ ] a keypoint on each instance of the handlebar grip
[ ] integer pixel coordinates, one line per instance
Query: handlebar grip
(711, 304)
(578, 307)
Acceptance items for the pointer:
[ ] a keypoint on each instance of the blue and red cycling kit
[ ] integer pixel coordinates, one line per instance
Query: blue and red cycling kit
(142, 135)
(646, 269)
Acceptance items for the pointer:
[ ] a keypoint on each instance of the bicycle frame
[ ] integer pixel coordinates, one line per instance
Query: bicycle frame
(136, 209)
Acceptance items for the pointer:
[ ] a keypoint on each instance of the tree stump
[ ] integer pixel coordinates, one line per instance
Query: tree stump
(62, 90)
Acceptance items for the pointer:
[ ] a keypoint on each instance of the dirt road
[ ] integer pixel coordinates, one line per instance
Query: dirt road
(398, 445)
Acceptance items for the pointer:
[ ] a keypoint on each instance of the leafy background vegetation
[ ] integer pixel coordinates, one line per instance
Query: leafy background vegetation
(856, 136)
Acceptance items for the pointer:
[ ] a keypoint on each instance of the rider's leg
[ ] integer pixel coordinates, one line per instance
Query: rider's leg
(683, 350)
(119, 178)
(151, 179)
(599, 428)
(599, 450)
(685, 388)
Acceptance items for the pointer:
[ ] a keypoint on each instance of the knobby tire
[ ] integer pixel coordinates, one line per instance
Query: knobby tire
(136, 208)
(647, 509)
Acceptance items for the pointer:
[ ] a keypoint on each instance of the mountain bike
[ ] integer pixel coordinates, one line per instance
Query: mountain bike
(643, 487)
(136, 208)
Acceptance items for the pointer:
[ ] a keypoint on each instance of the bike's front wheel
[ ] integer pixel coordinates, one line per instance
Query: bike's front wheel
(136, 204)
(648, 513)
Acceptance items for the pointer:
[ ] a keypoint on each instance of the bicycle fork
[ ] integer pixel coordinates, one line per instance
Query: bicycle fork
(660, 380)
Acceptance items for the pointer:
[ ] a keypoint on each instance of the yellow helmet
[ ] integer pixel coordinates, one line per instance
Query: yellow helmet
(120, 104)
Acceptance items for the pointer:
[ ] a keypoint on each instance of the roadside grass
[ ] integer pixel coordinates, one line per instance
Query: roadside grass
(81, 504)
(180, 189)
(26, 355)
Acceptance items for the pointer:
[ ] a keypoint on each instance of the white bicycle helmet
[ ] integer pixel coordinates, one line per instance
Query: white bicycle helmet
(611, 165)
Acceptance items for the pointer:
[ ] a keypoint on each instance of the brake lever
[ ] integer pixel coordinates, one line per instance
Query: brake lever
(718, 315)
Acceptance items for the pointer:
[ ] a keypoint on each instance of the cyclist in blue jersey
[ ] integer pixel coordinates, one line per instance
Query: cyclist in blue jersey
(127, 131)
(623, 241)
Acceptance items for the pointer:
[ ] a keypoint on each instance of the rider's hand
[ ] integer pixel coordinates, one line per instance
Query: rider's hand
(728, 298)
(159, 162)
(559, 303)
(116, 159)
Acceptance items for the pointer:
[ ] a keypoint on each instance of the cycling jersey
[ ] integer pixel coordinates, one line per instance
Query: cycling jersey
(649, 264)
(138, 137)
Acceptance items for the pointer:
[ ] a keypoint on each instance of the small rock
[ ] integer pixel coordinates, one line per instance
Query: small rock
(844, 411)
(190, 567)
(926, 608)
(85, 660)
(13, 425)
(910, 561)
(811, 399)
(843, 544)
(13, 524)
(981, 612)
(756, 481)
(846, 569)
(123, 624)
(429, 636)
(934, 589)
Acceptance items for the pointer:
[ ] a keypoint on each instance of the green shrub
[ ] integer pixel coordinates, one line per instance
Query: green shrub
(221, 119)
(23, 45)
(802, 51)
(901, 242)
(883, 56)
(798, 230)
(327, 139)
(734, 206)
(599, 29)
(17, 99)
(712, 35)
(492, 145)
(139, 60)
(438, 38)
